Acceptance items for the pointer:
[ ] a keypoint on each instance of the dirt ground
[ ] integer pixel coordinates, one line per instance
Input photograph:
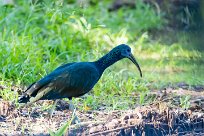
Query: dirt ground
(163, 117)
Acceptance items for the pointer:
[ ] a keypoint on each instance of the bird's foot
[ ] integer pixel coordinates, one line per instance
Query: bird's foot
(50, 112)
(76, 120)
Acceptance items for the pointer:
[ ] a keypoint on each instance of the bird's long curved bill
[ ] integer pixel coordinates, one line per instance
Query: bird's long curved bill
(132, 58)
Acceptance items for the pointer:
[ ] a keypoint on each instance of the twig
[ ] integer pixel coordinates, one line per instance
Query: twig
(112, 130)
(85, 123)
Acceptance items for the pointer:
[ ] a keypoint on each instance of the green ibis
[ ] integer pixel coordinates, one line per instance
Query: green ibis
(74, 79)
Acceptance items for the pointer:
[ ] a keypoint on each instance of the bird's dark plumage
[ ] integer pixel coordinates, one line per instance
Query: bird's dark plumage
(74, 79)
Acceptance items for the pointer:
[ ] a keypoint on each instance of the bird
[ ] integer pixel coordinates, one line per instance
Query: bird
(74, 79)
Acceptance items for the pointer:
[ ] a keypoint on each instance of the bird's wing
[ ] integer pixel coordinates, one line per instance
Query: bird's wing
(72, 82)
(69, 82)
(33, 89)
(77, 81)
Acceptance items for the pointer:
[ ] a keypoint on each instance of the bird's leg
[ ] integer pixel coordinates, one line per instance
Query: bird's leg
(53, 108)
(71, 106)
(73, 109)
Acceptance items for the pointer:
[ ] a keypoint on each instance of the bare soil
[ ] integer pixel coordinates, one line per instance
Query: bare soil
(162, 117)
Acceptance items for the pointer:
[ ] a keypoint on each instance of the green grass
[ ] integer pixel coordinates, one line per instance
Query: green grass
(37, 37)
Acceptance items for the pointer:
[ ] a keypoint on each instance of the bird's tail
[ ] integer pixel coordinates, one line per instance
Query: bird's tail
(24, 98)
(27, 99)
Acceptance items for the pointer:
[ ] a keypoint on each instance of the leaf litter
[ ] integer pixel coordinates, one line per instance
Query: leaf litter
(161, 117)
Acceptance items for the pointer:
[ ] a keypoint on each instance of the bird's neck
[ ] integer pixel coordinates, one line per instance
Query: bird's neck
(107, 60)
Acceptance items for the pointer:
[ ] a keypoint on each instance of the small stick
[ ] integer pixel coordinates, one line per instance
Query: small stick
(112, 130)
(86, 123)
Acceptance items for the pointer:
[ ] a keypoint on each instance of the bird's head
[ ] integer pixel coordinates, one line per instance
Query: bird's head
(125, 52)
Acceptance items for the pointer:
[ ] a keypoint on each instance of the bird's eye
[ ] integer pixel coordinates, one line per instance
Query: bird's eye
(128, 50)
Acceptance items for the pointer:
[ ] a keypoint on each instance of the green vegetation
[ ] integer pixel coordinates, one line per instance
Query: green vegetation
(37, 37)
(185, 101)
(62, 130)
